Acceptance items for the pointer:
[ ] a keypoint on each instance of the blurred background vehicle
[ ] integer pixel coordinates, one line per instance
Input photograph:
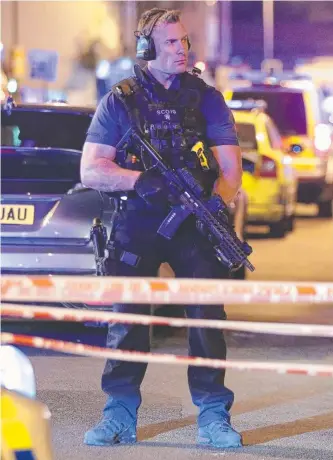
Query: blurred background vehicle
(25, 421)
(45, 213)
(269, 177)
(293, 102)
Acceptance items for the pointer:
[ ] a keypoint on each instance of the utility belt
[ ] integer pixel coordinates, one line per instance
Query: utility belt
(131, 201)
(106, 250)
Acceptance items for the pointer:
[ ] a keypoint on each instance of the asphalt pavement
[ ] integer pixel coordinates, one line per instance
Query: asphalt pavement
(279, 416)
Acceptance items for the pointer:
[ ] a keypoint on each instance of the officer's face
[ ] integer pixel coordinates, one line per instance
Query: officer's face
(171, 48)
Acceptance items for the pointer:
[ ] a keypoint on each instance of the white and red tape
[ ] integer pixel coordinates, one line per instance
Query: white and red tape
(135, 356)
(108, 290)
(76, 315)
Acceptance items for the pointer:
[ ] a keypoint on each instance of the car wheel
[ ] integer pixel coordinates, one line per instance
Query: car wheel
(278, 229)
(325, 209)
(291, 223)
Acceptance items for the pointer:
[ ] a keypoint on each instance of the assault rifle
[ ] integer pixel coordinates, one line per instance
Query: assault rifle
(211, 214)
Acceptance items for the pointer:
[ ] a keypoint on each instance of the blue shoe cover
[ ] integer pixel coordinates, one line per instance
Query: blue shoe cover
(111, 431)
(219, 434)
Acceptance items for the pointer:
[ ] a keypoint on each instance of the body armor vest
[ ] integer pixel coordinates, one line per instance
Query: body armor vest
(173, 124)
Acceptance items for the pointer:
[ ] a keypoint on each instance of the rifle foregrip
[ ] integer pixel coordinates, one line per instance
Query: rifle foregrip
(191, 182)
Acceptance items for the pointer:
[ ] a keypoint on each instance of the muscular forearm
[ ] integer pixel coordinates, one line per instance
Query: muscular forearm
(107, 176)
(229, 158)
(227, 188)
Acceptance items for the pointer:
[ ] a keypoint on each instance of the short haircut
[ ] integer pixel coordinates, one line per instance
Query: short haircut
(164, 17)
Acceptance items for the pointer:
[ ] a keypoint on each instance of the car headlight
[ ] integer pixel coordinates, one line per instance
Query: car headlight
(16, 371)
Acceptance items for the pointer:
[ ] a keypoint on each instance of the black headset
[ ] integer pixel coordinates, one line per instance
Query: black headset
(145, 46)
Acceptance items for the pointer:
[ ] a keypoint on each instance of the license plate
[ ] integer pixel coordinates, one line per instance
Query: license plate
(14, 214)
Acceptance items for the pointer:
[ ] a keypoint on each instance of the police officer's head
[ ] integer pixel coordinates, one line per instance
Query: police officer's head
(162, 39)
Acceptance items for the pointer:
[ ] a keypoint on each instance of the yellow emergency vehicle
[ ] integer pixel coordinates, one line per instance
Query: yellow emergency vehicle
(269, 178)
(294, 103)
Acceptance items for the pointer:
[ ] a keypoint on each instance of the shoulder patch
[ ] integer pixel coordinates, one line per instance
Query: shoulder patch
(128, 86)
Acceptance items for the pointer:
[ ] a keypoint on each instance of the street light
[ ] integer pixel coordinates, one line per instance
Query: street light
(268, 23)
(226, 31)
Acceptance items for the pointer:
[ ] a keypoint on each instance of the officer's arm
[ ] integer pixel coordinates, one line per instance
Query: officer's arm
(222, 140)
(100, 172)
(230, 175)
(98, 167)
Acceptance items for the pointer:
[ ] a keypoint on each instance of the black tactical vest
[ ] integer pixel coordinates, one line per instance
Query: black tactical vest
(172, 122)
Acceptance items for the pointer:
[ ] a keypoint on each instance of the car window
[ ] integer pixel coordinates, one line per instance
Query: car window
(246, 136)
(44, 165)
(28, 128)
(287, 108)
(273, 135)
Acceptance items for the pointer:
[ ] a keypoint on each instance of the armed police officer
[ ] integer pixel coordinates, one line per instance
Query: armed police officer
(176, 110)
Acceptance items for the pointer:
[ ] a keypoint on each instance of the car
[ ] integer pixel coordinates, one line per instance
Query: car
(46, 213)
(295, 104)
(269, 178)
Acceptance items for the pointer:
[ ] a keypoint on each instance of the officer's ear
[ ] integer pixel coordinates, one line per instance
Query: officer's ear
(188, 44)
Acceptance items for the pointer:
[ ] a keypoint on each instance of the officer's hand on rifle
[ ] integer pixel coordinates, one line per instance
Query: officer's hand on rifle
(152, 187)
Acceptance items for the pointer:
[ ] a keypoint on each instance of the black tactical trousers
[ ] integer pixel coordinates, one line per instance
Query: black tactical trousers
(190, 256)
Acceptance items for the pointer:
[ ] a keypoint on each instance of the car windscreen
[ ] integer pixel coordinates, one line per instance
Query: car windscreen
(31, 128)
(246, 136)
(285, 108)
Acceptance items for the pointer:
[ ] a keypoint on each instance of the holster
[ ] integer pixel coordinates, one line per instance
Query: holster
(116, 253)
(106, 250)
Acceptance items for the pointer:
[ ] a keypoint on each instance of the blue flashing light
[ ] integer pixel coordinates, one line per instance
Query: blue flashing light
(296, 148)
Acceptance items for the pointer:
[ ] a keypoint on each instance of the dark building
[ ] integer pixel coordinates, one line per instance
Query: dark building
(301, 30)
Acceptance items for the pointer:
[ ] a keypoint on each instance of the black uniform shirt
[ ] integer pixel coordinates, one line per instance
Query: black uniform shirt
(110, 121)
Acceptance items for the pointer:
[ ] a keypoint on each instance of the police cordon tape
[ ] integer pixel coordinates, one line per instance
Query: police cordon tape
(136, 356)
(108, 290)
(71, 314)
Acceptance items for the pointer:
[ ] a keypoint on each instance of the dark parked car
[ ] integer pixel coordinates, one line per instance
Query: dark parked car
(45, 213)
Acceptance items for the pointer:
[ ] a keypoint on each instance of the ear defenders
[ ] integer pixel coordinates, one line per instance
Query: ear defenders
(145, 46)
